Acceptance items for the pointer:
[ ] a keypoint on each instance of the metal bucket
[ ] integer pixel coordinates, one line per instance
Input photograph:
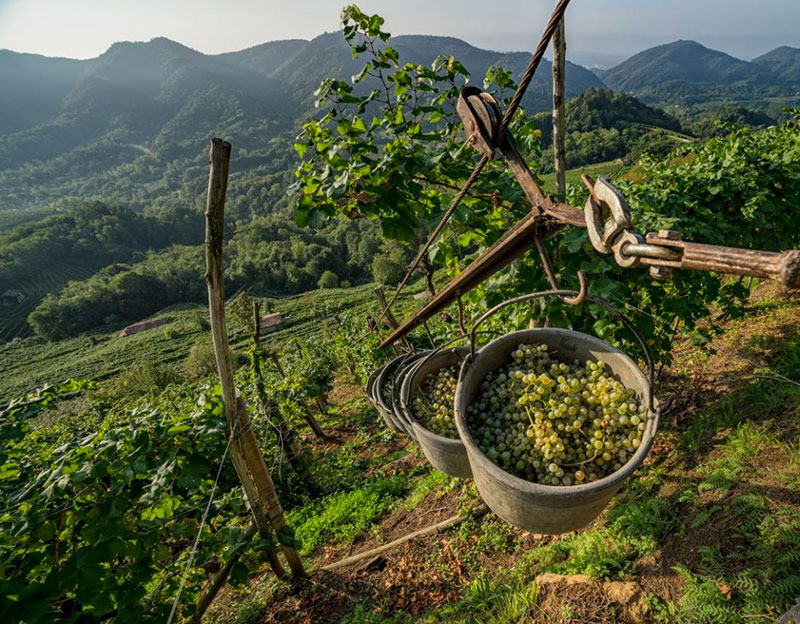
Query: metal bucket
(445, 454)
(371, 384)
(408, 365)
(386, 376)
(546, 508)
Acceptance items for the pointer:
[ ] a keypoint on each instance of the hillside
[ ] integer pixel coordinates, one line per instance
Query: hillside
(783, 62)
(131, 124)
(602, 125)
(689, 73)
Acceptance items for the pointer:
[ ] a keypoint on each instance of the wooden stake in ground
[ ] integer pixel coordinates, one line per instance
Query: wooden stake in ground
(559, 89)
(284, 433)
(245, 454)
(389, 318)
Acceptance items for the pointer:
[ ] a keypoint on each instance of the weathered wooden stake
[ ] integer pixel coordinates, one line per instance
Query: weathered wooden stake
(389, 318)
(245, 454)
(559, 90)
(283, 431)
(219, 580)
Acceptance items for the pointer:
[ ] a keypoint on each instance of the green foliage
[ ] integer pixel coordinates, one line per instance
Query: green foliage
(387, 270)
(100, 526)
(389, 152)
(141, 380)
(201, 363)
(344, 515)
(328, 279)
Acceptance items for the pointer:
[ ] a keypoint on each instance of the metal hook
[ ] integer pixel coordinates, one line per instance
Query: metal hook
(584, 289)
(551, 275)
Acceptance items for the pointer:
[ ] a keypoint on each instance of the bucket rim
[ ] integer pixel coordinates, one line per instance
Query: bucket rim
(405, 394)
(388, 368)
(370, 383)
(407, 366)
(562, 492)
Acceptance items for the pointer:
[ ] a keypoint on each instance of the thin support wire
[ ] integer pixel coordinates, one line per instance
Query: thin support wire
(516, 100)
(203, 521)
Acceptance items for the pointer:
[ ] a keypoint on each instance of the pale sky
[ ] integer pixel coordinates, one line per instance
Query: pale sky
(85, 28)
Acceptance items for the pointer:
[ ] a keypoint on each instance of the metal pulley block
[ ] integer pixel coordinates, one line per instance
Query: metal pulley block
(607, 216)
(481, 116)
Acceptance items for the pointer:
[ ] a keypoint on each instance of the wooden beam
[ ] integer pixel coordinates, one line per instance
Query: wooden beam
(439, 527)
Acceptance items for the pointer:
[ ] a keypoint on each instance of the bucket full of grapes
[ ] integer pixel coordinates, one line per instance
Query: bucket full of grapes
(426, 398)
(406, 367)
(553, 421)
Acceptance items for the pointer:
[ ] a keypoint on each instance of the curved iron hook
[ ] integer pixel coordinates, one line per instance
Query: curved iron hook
(551, 275)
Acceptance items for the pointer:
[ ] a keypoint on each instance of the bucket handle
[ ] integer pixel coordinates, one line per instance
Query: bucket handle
(587, 297)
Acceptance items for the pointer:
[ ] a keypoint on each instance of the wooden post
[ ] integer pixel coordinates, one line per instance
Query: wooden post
(245, 454)
(426, 264)
(559, 90)
(283, 432)
(389, 317)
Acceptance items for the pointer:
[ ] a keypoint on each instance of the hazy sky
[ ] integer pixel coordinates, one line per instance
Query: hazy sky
(85, 28)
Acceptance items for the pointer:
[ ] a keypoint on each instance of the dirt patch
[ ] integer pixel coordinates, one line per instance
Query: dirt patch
(578, 598)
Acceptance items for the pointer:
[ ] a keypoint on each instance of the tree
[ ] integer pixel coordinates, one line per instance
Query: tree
(329, 279)
(387, 271)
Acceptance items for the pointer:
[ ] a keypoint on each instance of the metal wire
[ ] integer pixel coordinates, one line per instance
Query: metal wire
(524, 83)
(234, 432)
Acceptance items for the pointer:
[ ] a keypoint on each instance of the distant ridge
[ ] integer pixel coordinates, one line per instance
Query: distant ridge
(783, 62)
(683, 61)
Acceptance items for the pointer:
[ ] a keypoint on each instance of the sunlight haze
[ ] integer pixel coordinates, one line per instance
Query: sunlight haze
(86, 28)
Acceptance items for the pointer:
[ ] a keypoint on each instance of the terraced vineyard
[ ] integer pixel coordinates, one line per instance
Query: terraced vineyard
(35, 285)
(33, 362)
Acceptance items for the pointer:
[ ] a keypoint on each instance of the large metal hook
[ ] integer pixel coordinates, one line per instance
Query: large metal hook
(551, 275)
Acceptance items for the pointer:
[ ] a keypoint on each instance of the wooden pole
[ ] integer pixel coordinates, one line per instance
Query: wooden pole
(439, 527)
(219, 580)
(245, 454)
(389, 317)
(283, 432)
(559, 90)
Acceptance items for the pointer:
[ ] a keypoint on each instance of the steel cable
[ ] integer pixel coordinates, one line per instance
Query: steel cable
(524, 83)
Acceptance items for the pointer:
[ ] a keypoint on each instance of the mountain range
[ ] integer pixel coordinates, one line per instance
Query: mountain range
(132, 124)
(686, 71)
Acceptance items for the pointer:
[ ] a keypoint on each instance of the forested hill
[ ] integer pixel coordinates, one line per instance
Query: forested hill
(303, 65)
(131, 125)
(690, 73)
(783, 62)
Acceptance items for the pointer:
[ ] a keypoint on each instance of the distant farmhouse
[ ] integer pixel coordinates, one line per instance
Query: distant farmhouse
(270, 322)
(12, 297)
(139, 327)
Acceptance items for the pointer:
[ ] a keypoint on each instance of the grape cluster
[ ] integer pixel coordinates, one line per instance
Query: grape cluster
(555, 423)
(433, 405)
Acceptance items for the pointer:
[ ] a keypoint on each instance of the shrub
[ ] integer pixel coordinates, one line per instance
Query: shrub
(329, 279)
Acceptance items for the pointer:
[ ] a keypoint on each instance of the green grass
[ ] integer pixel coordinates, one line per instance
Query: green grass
(341, 517)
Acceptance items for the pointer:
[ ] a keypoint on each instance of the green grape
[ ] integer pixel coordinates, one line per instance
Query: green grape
(433, 405)
(556, 423)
